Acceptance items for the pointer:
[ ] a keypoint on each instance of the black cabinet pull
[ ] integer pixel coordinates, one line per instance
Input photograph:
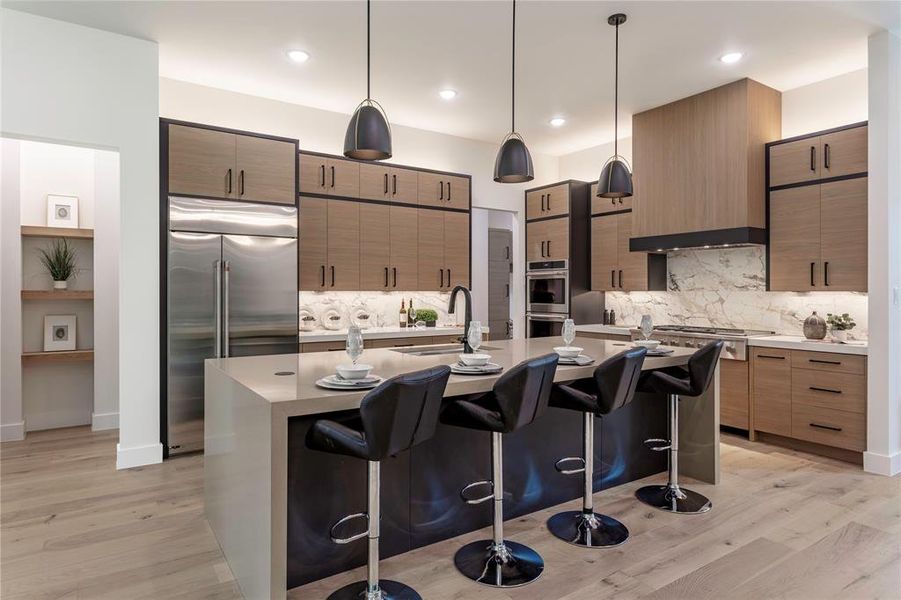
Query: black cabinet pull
(394, 269)
(770, 356)
(613, 278)
(620, 200)
(386, 276)
(620, 278)
(386, 183)
(613, 201)
(333, 176)
(321, 175)
(448, 278)
(441, 276)
(333, 275)
(507, 293)
(811, 274)
(448, 191)
(549, 248)
(322, 275)
(825, 156)
(548, 202)
(826, 273)
(394, 185)
(442, 190)
(819, 389)
(507, 252)
(241, 183)
(813, 158)
(542, 248)
(829, 427)
(229, 190)
(824, 362)
(542, 202)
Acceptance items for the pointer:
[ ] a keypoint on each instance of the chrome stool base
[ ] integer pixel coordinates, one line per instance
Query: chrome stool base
(590, 530)
(388, 590)
(673, 499)
(509, 565)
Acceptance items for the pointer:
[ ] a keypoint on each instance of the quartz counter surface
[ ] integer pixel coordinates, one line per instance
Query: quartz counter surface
(381, 333)
(796, 342)
(607, 329)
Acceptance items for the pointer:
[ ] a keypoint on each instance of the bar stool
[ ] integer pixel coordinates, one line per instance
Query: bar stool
(674, 383)
(399, 414)
(519, 397)
(612, 387)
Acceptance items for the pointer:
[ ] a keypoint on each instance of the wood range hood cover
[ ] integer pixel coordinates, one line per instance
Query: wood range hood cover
(699, 168)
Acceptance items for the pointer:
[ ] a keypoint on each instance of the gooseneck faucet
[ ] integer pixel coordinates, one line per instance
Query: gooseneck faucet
(467, 296)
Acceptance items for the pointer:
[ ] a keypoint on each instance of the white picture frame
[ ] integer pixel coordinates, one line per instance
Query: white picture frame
(59, 333)
(62, 211)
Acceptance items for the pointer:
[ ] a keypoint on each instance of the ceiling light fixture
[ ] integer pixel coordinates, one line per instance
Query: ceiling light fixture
(616, 177)
(731, 57)
(557, 122)
(368, 134)
(448, 94)
(298, 56)
(513, 163)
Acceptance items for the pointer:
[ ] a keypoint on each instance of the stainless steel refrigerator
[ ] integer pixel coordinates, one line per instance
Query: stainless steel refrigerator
(231, 291)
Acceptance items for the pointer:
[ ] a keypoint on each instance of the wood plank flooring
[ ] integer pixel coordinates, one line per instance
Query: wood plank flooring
(784, 525)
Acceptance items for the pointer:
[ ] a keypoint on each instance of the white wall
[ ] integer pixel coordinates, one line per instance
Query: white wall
(825, 104)
(12, 421)
(585, 165)
(71, 84)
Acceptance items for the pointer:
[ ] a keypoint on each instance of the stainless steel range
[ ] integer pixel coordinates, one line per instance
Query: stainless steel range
(688, 336)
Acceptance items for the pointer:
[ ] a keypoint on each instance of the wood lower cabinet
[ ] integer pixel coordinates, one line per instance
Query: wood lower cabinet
(443, 190)
(443, 249)
(266, 170)
(771, 390)
(734, 394)
(613, 266)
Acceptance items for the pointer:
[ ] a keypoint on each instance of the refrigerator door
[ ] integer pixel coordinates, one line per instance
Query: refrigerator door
(193, 297)
(259, 295)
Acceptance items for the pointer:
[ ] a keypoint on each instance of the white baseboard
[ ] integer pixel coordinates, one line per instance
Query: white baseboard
(10, 432)
(138, 456)
(101, 421)
(882, 464)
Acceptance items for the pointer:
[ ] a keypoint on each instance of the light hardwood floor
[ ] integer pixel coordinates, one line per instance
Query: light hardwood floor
(784, 524)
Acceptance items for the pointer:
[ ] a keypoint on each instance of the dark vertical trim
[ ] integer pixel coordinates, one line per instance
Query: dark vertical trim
(766, 222)
(164, 283)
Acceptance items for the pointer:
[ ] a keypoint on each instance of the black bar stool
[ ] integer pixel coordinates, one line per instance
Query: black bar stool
(399, 414)
(519, 397)
(676, 382)
(612, 387)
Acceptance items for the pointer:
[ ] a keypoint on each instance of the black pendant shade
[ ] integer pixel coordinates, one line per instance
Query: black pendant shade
(615, 180)
(368, 134)
(513, 163)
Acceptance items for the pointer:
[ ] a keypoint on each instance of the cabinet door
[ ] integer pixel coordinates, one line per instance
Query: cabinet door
(403, 186)
(632, 271)
(457, 191)
(843, 230)
(556, 200)
(604, 261)
(535, 204)
(432, 189)
(404, 248)
(202, 162)
(536, 241)
(343, 178)
(795, 239)
(266, 170)
(431, 249)
(844, 152)
(557, 236)
(734, 393)
(601, 206)
(343, 245)
(772, 390)
(313, 244)
(456, 249)
(374, 182)
(795, 161)
(375, 246)
(312, 174)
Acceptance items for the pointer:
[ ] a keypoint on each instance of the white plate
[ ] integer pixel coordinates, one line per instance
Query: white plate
(582, 359)
(333, 382)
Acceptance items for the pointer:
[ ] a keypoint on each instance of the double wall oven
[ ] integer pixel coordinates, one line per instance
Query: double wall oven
(548, 297)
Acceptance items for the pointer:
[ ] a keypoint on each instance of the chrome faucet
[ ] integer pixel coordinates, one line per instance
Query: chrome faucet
(467, 349)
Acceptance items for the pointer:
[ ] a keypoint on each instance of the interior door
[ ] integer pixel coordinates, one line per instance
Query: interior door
(795, 239)
(313, 243)
(557, 238)
(343, 272)
(259, 295)
(202, 162)
(456, 249)
(375, 246)
(266, 170)
(843, 230)
(431, 249)
(500, 261)
(604, 261)
(404, 234)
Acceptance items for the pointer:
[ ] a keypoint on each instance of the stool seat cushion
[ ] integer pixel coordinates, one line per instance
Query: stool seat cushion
(480, 412)
(693, 381)
(339, 438)
(665, 381)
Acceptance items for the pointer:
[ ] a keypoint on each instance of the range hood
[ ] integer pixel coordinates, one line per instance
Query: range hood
(716, 238)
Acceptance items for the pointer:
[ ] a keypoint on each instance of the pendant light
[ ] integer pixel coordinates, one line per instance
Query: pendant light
(368, 134)
(513, 163)
(616, 177)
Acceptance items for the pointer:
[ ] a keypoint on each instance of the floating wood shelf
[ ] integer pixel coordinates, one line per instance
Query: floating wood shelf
(57, 294)
(67, 232)
(33, 358)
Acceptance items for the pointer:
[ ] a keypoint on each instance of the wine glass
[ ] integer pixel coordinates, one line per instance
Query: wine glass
(474, 336)
(646, 326)
(354, 344)
(569, 332)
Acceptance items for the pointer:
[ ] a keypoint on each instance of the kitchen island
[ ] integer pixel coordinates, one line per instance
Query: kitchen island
(270, 500)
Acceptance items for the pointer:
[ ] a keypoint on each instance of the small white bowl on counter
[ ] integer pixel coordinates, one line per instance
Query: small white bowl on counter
(649, 344)
(358, 371)
(568, 351)
(474, 360)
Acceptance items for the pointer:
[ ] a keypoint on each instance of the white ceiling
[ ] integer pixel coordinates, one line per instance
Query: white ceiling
(668, 50)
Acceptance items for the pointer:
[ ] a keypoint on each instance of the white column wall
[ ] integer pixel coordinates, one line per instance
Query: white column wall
(12, 422)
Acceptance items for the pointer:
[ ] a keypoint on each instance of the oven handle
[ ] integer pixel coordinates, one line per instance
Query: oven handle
(547, 317)
(544, 274)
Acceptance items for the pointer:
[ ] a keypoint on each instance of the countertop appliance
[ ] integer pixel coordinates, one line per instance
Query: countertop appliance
(547, 286)
(231, 290)
(689, 336)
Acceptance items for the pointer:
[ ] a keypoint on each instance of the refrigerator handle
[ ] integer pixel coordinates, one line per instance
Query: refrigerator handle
(226, 267)
(217, 271)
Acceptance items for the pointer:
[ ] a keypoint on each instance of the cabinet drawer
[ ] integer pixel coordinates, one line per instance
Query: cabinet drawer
(839, 391)
(830, 427)
(828, 361)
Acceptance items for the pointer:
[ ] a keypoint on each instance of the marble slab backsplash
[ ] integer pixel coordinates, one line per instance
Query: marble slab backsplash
(383, 307)
(727, 288)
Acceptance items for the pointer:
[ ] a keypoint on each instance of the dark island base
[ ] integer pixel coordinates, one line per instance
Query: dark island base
(420, 488)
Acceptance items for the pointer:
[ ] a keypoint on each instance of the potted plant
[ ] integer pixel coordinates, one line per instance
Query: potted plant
(428, 315)
(59, 261)
(840, 325)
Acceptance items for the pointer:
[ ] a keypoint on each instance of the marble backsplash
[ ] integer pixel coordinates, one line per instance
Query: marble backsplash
(383, 307)
(727, 288)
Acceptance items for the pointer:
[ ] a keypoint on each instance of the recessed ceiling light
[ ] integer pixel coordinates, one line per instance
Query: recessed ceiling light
(298, 56)
(731, 57)
(448, 94)
(557, 122)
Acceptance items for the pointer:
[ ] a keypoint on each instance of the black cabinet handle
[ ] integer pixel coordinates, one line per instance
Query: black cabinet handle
(613, 201)
(394, 185)
(549, 202)
(811, 274)
(386, 183)
(620, 278)
(333, 275)
(620, 200)
(542, 248)
(441, 276)
(386, 276)
(542, 202)
(826, 273)
(824, 362)
(229, 189)
(322, 275)
(507, 252)
(813, 158)
(549, 248)
(613, 278)
(448, 278)
(333, 176)
(819, 389)
(826, 156)
(507, 293)
(829, 427)
(394, 269)
(442, 190)
(770, 356)
(241, 183)
(448, 191)
(321, 175)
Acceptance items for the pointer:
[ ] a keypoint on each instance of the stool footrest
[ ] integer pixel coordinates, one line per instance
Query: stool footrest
(353, 538)
(560, 465)
(469, 500)
(658, 444)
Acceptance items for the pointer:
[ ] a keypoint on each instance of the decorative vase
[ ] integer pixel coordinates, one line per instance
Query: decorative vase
(60, 285)
(814, 327)
(839, 336)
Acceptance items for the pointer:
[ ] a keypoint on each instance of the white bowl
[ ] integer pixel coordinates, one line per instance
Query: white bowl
(474, 360)
(649, 344)
(568, 351)
(358, 371)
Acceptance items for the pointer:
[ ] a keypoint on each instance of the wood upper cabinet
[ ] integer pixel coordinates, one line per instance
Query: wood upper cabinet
(374, 184)
(443, 190)
(843, 235)
(794, 162)
(456, 249)
(604, 254)
(536, 240)
(375, 246)
(844, 152)
(550, 201)
(326, 175)
(311, 174)
(607, 205)
(771, 390)
(381, 182)
(313, 243)
(431, 249)
(822, 156)
(403, 186)
(404, 235)
(557, 238)
(343, 273)
(266, 170)
(632, 274)
(202, 162)
(795, 239)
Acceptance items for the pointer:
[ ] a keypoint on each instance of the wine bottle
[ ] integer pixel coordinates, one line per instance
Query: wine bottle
(402, 320)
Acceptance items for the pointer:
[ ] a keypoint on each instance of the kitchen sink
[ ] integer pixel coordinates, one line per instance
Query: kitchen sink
(437, 350)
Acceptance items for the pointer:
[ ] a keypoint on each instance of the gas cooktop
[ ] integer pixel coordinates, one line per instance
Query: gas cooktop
(694, 329)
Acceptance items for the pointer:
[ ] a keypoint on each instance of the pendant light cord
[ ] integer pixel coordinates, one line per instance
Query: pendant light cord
(368, 51)
(616, 97)
(513, 78)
